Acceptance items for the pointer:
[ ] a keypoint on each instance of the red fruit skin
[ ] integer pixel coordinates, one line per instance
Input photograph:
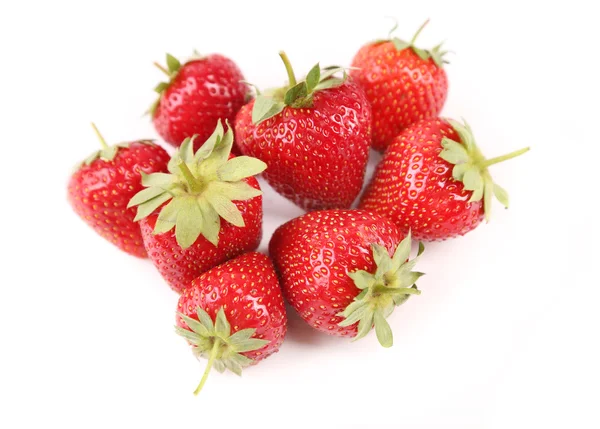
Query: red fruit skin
(415, 189)
(202, 92)
(180, 266)
(248, 290)
(99, 193)
(313, 254)
(401, 87)
(316, 157)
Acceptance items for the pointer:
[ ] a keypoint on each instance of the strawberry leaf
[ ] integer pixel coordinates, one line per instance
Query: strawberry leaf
(383, 330)
(188, 226)
(146, 208)
(295, 92)
(471, 167)
(265, 107)
(436, 54)
(239, 168)
(173, 64)
(501, 195)
(390, 285)
(400, 44)
(271, 102)
(226, 209)
(313, 77)
(215, 341)
(200, 189)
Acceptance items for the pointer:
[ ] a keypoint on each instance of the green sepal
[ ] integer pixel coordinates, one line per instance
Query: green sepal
(109, 153)
(313, 78)
(383, 330)
(202, 334)
(400, 44)
(389, 286)
(161, 87)
(199, 189)
(436, 53)
(296, 92)
(173, 64)
(501, 195)
(270, 103)
(173, 67)
(471, 167)
(266, 107)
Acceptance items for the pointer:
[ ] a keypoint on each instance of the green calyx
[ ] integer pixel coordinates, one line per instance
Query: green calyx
(173, 67)
(436, 53)
(471, 167)
(107, 153)
(215, 342)
(296, 94)
(391, 285)
(199, 189)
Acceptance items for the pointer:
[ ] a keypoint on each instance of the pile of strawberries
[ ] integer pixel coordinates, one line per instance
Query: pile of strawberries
(198, 213)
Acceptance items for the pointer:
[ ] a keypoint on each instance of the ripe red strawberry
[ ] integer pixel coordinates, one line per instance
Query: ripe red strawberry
(434, 181)
(336, 270)
(313, 135)
(403, 83)
(181, 212)
(103, 184)
(198, 94)
(233, 314)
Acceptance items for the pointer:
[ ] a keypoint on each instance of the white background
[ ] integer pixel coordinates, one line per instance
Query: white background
(505, 334)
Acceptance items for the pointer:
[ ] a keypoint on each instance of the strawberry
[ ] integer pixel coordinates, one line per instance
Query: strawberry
(403, 83)
(233, 314)
(180, 213)
(344, 271)
(434, 181)
(102, 185)
(314, 136)
(198, 94)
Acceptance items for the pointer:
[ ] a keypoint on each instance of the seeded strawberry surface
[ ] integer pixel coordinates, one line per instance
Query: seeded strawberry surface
(401, 87)
(180, 266)
(248, 290)
(99, 193)
(316, 156)
(414, 187)
(315, 252)
(200, 93)
(207, 209)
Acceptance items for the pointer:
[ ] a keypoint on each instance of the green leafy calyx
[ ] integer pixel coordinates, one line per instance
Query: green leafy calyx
(173, 67)
(391, 285)
(436, 53)
(199, 189)
(107, 152)
(296, 94)
(471, 167)
(215, 342)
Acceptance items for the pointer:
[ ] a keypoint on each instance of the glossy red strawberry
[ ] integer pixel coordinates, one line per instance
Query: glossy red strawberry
(103, 184)
(206, 211)
(198, 94)
(403, 83)
(434, 181)
(233, 314)
(313, 135)
(344, 271)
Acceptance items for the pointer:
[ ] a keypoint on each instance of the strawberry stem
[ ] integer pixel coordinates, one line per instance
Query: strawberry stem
(102, 141)
(189, 177)
(414, 39)
(161, 68)
(288, 68)
(508, 156)
(211, 360)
